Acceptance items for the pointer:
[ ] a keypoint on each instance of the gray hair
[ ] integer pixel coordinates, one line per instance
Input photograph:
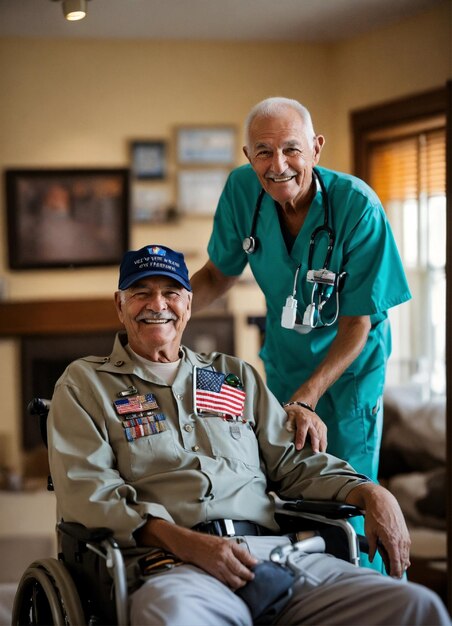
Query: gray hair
(271, 107)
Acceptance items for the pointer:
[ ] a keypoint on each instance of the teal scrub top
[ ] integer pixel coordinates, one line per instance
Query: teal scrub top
(364, 248)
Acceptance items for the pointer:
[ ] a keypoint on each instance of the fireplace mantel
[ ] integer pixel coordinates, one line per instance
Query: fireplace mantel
(53, 317)
(72, 317)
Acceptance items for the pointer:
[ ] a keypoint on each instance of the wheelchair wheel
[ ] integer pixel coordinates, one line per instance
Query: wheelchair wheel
(47, 596)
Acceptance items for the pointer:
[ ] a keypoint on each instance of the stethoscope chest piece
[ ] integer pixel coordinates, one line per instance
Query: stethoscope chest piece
(249, 244)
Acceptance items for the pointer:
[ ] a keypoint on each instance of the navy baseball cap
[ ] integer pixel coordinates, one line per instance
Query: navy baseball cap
(153, 260)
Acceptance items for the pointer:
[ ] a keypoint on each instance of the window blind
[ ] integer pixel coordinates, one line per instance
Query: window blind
(406, 167)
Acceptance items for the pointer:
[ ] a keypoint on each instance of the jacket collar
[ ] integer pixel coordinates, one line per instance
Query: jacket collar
(120, 361)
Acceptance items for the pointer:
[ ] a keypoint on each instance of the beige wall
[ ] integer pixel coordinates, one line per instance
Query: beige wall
(413, 56)
(78, 103)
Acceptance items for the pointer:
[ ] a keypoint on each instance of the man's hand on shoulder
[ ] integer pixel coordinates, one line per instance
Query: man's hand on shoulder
(306, 423)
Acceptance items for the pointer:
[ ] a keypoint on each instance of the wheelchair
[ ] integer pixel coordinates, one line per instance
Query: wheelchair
(87, 585)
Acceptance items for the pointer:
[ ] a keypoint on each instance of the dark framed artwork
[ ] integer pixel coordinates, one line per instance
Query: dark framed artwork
(67, 217)
(148, 159)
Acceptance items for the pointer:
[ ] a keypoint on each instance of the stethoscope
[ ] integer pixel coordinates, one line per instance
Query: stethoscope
(312, 317)
(251, 243)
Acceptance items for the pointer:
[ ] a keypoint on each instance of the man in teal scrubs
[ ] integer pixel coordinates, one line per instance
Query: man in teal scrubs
(334, 374)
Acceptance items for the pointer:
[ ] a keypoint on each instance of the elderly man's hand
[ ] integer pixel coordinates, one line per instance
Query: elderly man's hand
(306, 422)
(385, 526)
(223, 558)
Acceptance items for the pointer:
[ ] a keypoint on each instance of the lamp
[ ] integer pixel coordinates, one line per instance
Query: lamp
(74, 9)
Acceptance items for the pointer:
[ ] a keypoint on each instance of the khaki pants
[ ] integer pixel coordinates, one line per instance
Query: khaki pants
(328, 591)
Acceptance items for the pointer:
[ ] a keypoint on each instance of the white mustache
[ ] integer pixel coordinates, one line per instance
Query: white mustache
(155, 316)
(287, 174)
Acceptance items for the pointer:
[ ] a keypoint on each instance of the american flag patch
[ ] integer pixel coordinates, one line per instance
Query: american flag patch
(137, 427)
(134, 404)
(214, 395)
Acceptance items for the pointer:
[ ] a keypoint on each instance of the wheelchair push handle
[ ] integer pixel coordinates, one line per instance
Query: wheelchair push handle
(41, 408)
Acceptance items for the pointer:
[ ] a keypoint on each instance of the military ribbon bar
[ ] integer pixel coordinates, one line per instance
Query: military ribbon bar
(134, 404)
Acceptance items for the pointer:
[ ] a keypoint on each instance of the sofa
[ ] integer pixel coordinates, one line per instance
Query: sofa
(413, 468)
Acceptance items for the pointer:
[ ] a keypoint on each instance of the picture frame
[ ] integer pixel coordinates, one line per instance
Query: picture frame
(66, 217)
(151, 203)
(199, 190)
(148, 159)
(206, 145)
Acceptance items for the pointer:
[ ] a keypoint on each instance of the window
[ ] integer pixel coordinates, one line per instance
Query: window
(408, 173)
(404, 160)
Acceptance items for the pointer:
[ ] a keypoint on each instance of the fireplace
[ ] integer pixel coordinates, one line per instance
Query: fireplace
(60, 331)
(43, 360)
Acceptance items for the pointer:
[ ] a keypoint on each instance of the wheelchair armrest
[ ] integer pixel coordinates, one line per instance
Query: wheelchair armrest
(83, 534)
(327, 508)
(330, 509)
(321, 515)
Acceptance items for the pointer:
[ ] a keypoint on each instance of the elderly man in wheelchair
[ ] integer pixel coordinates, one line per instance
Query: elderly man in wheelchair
(174, 451)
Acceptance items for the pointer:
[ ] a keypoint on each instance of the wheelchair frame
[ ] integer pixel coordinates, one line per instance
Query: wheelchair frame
(49, 590)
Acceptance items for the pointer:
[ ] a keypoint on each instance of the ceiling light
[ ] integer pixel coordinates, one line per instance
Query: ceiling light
(74, 9)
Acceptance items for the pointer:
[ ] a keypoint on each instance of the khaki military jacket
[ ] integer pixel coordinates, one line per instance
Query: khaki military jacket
(183, 467)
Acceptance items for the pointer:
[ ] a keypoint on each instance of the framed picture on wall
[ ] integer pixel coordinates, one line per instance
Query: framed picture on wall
(148, 159)
(66, 217)
(209, 145)
(151, 203)
(199, 190)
